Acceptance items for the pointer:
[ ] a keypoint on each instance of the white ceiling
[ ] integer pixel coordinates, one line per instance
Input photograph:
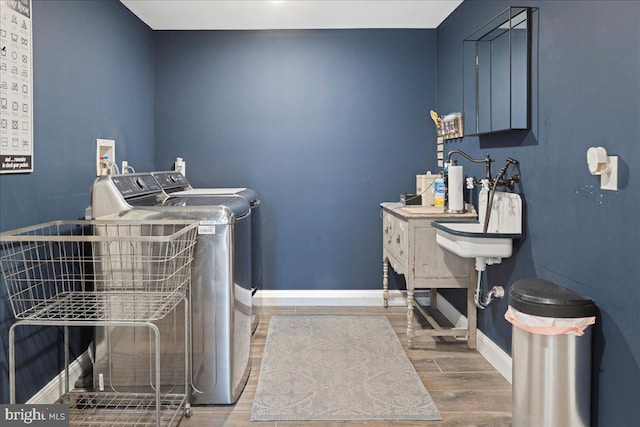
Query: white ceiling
(289, 14)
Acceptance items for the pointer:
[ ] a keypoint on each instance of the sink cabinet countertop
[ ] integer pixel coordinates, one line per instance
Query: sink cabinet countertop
(428, 212)
(409, 246)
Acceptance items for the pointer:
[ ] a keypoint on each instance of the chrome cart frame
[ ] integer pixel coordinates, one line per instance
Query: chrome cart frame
(102, 273)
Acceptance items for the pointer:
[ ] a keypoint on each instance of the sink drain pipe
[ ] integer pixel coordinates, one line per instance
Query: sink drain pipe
(494, 293)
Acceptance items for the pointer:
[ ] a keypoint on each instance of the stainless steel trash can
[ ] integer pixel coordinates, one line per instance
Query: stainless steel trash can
(551, 354)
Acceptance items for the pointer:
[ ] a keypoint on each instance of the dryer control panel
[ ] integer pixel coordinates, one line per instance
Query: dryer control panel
(171, 181)
(134, 185)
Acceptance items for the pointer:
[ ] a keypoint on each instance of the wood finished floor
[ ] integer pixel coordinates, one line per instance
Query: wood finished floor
(466, 389)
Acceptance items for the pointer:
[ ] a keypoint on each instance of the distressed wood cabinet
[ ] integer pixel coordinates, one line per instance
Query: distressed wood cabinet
(409, 246)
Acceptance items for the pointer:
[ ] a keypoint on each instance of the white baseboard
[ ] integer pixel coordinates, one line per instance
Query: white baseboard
(497, 357)
(51, 392)
(328, 298)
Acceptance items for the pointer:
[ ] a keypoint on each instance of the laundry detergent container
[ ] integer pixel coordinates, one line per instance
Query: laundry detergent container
(551, 353)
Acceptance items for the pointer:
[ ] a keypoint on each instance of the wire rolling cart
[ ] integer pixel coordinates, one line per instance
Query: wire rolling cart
(102, 273)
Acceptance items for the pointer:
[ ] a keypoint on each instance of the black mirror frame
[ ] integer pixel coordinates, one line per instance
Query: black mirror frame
(471, 118)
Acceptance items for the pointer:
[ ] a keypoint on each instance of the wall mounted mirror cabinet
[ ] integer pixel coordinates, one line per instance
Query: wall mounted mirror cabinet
(497, 74)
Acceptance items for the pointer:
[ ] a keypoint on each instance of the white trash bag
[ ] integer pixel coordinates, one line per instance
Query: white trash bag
(548, 325)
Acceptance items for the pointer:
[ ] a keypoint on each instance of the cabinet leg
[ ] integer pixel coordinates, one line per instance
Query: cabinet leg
(385, 282)
(410, 331)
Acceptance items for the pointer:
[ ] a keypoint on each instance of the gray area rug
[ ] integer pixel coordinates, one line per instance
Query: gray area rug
(338, 368)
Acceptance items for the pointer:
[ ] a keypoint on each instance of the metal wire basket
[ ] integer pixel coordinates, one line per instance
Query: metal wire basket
(97, 270)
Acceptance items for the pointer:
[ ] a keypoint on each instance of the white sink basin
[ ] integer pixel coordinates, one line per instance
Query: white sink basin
(467, 240)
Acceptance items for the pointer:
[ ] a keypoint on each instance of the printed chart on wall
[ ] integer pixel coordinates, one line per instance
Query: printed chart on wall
(16, 87)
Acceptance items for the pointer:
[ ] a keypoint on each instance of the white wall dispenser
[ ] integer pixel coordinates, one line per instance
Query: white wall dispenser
(604, 165)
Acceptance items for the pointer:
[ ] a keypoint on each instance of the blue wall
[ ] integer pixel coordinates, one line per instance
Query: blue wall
(324, 125)
(93, 78)
(586, 93)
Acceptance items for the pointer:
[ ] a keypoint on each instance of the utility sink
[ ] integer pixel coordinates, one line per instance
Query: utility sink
(467, 239)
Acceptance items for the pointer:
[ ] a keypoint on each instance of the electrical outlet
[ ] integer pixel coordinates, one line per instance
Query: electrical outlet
(105, 155)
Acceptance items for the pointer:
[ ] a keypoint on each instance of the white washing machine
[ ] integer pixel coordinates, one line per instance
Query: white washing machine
(220, 295)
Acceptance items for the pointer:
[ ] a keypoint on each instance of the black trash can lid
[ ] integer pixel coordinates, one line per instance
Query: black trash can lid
(543, 298)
